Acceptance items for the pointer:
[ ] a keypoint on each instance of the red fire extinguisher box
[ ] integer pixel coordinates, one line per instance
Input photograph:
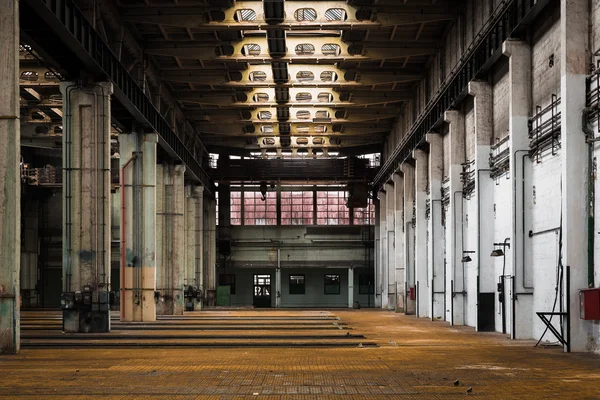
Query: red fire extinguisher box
(589, 303)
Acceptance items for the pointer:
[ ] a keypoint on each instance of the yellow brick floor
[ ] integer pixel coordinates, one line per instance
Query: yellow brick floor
(416, 359)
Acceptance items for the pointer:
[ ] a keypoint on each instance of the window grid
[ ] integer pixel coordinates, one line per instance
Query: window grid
(331, 208)
(297, 208)
(332, 284)
(366, 215)
(236, 208)
(259, 212)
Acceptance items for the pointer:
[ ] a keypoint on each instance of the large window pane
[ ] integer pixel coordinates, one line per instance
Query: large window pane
(297, 208)
(331, 208)
(365, 216)
(258, 211)
(236, 208)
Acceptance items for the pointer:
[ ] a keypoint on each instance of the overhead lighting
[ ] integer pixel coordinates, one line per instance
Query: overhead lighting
(466, 256)
(497, 253)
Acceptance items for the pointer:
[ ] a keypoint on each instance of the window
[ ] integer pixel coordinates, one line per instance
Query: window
(332, 284)
(228, 280)
(365, 216)
(331, 49)
(236, 208)
(258, 76)
(305, 76)
(335, 14)
(366, 284)
(264, 115)
(297, 208)
(245, 15)
(331, 208)
(260, 97)
(251, 49)
(303, 97)
(259, 212)
(217, 206)
(296, 285)
(328, 76)
(303, 114)
(305, 14)
(305, 49)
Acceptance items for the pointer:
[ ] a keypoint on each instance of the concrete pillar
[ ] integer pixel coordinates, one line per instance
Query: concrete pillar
(170, 238)
(138, 226)
(391, 244)
(278, 281)
(574, 62)
(484, 198)
(86, 206)
(410, 305)
(521, 310)
(193, 244)
(399, 272)
(10, 179)
(350, 287)
(455, 277)
(210, 251)
(383, 245)
(29, 253)
(377, 253)
(436, 245)
(421, 235)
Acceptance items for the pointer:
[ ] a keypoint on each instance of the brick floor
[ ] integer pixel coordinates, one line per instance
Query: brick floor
(416, 359)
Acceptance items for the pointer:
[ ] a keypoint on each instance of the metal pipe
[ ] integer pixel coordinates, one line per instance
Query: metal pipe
(123, 219)
(68, 189)
(514, 228)
(589, 134)
(479, 229)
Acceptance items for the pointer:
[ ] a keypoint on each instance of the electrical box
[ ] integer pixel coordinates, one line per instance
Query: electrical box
(589, 304)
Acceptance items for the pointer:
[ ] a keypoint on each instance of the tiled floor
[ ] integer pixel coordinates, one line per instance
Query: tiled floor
(415, 359)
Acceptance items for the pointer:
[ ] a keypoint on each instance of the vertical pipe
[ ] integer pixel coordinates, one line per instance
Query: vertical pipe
(123, 239)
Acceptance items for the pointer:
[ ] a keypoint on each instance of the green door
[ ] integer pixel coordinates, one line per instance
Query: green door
(223, 295)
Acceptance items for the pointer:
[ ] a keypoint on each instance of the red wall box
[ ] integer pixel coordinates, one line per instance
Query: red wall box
(589, 304)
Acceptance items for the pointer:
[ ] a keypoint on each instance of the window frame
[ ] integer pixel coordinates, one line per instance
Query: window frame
(290, 284)
(361, 284)
(326, 285)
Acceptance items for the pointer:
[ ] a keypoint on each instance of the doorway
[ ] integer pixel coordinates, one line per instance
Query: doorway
(262, 291)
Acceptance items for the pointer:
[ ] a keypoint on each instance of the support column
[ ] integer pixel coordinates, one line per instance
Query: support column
(29, 253)
(573, 64)
(10, 179)
(170, 239)
(86, 207)
(484, 198)
(210, 251)
(455, 277)
(383, 245)
(278, 280)
(377, 255)
(138, 226)
(519, 54)
(391, 244)
(399, 272)
(436, 245)
(350, 287)
(193, 243)
(421, 236)
(410, 305)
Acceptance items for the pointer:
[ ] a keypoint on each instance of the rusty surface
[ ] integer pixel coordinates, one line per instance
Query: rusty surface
(416, 359)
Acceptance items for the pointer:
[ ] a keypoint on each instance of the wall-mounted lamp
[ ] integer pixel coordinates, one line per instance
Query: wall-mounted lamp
(497, 253)
(466, 256)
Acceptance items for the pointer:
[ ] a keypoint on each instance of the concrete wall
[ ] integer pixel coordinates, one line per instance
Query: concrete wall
(314, 279)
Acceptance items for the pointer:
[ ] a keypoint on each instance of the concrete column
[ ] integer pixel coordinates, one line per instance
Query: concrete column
(484, 198)
(391, 244)
(399, 272)
(86, 206)
(278, 281)
(436, 245)
(210, 251)
(170, 238)
(10, 179)
(410, 305)
(421, 235)
(383, 245)
(377, 253)
(350, 287)
(29, 253)
(193, 243)
(574, 62)
(138, 226)
(519, 317)
(455, 277)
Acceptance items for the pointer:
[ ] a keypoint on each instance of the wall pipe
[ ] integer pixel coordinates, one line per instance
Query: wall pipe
(522, 215)
(479, 232)
(123, 240)
(590, 140)
(433, 293)
(68, 189)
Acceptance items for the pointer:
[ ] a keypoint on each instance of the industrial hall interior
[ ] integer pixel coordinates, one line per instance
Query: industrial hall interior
(299, 199)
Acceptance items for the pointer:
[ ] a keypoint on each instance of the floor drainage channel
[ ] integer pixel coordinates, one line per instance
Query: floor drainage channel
(101, 336)
(25, 344)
